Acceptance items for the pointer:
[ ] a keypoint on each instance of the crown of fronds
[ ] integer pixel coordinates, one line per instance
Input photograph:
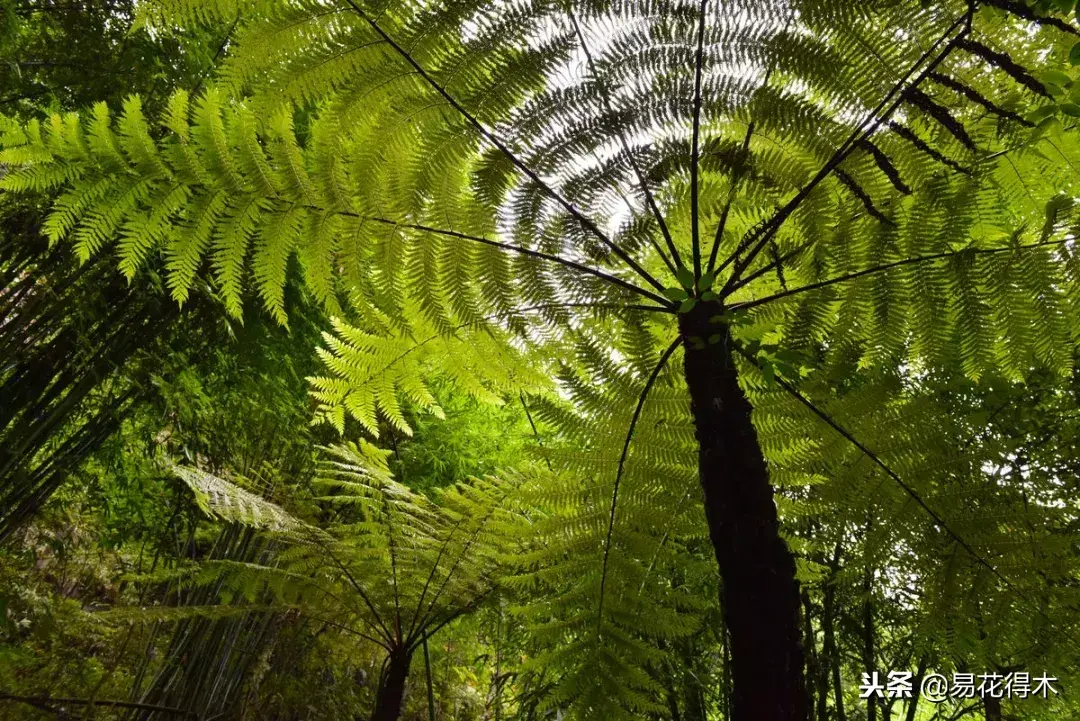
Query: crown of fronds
(394, 567)
(497, 166)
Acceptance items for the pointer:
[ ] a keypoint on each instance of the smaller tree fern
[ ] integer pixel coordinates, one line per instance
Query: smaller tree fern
(392, 567)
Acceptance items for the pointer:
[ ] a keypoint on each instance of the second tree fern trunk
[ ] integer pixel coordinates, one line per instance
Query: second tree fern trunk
(388, 703)
(760, 593)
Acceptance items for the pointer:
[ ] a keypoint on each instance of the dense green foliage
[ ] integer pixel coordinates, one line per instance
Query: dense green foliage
(346, 366)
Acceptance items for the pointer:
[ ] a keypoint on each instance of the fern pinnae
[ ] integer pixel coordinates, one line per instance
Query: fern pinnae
(209, 134)
(99, 225)
(735, 182)
(504, 491)
(745, 305)
(273, 247)
(252, 160)
(141, 233)
(286, 153)
(136, 141)
(494, 140)
(614, 280)
(924, 65)
(71, 205)
(360, 591)
(317, 257)
(695, 239)
(393, 570)
(224, 500)
(936, 518)
(622, 464)
(673, 262)
(678, 510)
(185, 252)
(431, 576)
(721, 225)
(230, 249)
(976, 97)
(101, 138)
(1004, 62)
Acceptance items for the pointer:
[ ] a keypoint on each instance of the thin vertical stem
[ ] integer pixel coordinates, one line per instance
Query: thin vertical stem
(430, 689)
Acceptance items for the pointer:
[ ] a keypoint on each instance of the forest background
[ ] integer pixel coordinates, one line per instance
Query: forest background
(425, 361)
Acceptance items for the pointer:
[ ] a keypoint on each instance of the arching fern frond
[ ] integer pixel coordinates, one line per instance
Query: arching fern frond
(221, 499)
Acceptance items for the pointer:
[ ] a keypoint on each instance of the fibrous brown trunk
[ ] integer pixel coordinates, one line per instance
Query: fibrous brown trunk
(760, 594)
(392, 688)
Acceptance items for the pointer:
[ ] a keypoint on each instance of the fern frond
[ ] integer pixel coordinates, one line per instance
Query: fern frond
(221, 499)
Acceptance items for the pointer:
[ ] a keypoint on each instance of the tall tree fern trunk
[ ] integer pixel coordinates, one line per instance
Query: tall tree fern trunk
(391, 693)
(760, 594)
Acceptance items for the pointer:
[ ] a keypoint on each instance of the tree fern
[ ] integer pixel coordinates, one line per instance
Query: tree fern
(854, 184)
(393, 569)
